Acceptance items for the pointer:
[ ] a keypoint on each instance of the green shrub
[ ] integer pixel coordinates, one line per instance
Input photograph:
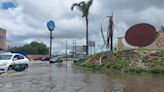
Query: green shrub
(156, 70)
(137, 70)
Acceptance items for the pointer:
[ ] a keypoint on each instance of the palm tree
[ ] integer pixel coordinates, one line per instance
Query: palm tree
(84, 7)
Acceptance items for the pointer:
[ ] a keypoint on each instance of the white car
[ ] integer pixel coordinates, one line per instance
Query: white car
(12, 61)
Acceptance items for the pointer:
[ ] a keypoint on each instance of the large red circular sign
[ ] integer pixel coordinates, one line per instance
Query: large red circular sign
(140, 35)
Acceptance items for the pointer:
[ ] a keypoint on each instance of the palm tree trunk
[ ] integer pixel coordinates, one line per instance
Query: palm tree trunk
(111, 32)
(111, 47)
(87, 47)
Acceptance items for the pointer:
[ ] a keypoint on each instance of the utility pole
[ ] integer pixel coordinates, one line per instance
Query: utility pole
(75, 47)
(94, 49)
(66, 50)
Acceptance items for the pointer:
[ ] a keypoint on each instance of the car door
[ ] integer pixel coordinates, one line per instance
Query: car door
(19, 59)
(16, 59)
(22, 59)
(19, 62)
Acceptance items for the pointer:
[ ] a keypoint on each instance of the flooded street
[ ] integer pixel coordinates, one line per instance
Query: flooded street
(44, 77)
(140, 82)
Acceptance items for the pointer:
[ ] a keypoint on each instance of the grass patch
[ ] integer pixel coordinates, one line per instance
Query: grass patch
(136, 70)
(135, 60)
(157, 70)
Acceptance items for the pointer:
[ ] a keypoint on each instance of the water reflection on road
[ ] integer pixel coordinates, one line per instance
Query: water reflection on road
(70, 79)
(63, 77)
(140, 82)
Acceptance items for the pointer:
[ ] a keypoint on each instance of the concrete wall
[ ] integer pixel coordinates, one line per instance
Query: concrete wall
(33, 57)
(158, 43)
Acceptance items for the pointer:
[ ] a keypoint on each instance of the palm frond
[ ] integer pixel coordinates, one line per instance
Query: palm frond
(75, 4)
(83, 7)
(90, 3)
(80, 6)
(82, 3)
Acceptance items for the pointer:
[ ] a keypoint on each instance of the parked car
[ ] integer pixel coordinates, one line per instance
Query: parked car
(38, 59)
(45, 59)
(76, 59)
(13, 61)
(56, 60)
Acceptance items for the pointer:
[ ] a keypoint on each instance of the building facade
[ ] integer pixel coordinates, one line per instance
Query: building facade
(3, 39)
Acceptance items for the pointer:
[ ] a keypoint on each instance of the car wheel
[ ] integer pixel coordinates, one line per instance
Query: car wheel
(26, 66)
(51, 62)
(10, 68)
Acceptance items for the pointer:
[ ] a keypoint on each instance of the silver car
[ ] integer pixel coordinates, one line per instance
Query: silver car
(57, 59)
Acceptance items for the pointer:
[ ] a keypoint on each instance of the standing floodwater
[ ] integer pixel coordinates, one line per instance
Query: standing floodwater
(64, 77)
(70, 79)
(140, 82)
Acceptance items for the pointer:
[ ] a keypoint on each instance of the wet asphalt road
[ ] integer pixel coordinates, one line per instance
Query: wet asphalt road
(44, 77)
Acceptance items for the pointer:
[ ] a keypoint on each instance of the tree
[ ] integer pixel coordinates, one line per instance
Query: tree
(32, 48)
(84, 7)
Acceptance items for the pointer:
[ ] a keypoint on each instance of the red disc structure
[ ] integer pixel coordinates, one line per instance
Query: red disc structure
(140, 35)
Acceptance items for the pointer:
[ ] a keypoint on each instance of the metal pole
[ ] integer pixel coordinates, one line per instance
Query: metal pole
(75, 47)
(50, 44)
(87, 47)
(66, 50)
(94, 50)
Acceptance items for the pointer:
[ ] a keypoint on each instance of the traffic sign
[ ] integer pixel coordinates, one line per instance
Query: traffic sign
(51, 25)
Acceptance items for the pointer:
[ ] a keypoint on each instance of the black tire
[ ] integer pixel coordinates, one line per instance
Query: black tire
(26, 67)
(19, 68)
(10, 68)
(51, 62)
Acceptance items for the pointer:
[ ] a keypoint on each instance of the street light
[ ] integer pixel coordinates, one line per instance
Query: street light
(51, 27)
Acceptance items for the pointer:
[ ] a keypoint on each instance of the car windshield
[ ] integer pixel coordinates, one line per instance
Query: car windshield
(55, 58)
(5, 57)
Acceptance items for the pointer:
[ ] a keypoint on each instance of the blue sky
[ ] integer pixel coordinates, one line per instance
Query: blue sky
(7, 5)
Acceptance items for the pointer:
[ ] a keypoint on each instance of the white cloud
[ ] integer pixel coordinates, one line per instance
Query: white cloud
(28, 21)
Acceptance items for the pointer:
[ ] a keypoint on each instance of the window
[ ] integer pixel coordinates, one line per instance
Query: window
(5, 57)
(19, 57)
(16, 56)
